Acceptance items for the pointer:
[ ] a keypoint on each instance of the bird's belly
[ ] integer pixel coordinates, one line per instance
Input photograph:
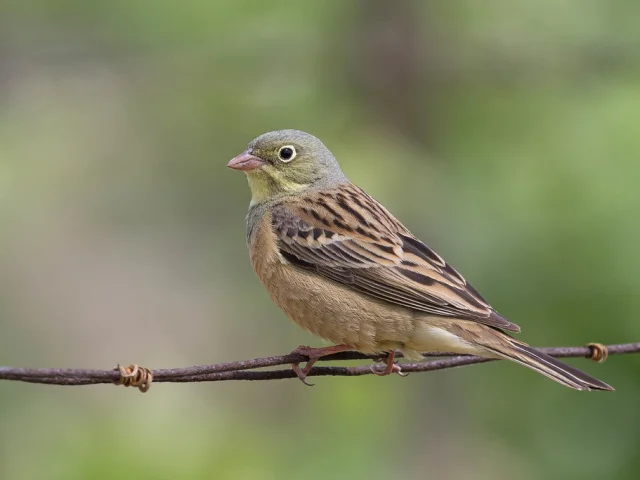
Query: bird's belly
(335, 312)
(343, 316)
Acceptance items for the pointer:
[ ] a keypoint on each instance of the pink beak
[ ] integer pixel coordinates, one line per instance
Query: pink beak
(245, 162)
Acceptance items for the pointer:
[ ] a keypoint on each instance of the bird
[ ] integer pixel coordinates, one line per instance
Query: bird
(342, 267)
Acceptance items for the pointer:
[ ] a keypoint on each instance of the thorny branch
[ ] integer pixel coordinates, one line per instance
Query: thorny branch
(244, 370)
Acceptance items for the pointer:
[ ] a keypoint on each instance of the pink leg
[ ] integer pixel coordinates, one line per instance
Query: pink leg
(314, 354)
(390, 367)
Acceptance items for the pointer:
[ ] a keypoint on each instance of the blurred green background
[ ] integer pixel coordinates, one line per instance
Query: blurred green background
(505, 134)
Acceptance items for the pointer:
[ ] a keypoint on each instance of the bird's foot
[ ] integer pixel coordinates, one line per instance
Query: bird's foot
(389, 368)
(313, 354)
(395, 368)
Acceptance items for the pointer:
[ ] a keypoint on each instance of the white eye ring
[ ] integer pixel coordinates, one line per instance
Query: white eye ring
(290, 149)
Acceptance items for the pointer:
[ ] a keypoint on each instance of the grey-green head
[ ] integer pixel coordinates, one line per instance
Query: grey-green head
(286, 162)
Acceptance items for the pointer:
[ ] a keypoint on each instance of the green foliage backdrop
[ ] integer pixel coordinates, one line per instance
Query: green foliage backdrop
(504, 133)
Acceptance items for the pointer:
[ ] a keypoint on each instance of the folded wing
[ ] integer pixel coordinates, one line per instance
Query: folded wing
(348, 237)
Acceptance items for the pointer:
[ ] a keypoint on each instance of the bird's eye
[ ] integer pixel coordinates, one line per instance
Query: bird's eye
(287, 153)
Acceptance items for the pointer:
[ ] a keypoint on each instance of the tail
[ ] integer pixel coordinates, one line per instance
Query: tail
(542, 363)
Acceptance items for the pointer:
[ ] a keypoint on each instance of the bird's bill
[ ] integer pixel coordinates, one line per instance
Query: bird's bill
(245, 162)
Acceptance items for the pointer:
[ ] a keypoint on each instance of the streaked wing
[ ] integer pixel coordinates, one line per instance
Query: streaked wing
(345, 235)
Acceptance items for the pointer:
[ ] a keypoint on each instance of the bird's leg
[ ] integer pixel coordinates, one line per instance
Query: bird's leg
(390, 367)
(313, 354)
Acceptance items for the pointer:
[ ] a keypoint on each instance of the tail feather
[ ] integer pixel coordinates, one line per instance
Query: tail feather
(547, 365)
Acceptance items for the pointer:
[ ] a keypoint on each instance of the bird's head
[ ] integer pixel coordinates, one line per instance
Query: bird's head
(286, 162)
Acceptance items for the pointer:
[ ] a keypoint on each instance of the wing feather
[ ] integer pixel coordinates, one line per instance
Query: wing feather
(348, 237)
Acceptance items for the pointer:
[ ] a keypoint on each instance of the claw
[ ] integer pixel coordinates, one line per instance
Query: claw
(395, 368)
(302, 373)
(313, 354)
(304, 381)
(389, 368)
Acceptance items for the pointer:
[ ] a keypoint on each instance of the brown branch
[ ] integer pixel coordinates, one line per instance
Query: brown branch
(243, 370)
